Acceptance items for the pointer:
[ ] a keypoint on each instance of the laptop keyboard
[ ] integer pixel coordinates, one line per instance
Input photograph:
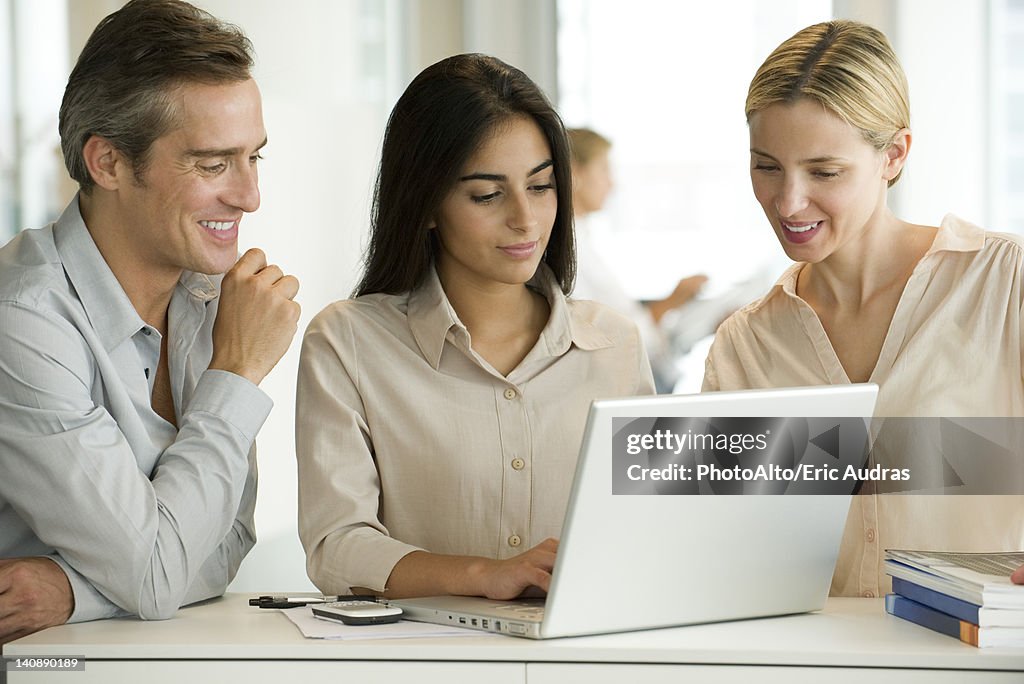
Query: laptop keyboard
(521, 610)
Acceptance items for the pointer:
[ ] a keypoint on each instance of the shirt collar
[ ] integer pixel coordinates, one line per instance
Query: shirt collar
(431, 317)
(104, 300)
(787, 281)
(957, 235)
(567, 325)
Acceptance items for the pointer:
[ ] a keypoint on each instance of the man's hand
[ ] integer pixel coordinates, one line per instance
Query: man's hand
(1018, 575)
(257, 318)
(34, 594)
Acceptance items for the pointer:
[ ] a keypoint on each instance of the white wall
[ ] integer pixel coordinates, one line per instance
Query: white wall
(943, 46)
(944, 49)
(522, 33)
(324, 109)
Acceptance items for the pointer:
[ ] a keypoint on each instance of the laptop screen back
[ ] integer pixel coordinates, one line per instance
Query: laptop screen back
(638, 561)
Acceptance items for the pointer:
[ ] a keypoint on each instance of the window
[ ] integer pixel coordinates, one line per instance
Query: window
(33, 71)
(666, 82)
(1007, 115)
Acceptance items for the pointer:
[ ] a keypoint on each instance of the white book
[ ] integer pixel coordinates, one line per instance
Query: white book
(979, 578)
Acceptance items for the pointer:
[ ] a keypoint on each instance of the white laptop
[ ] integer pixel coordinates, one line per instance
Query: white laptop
(638, 553)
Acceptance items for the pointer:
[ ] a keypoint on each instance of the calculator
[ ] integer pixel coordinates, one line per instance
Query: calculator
(358, 612)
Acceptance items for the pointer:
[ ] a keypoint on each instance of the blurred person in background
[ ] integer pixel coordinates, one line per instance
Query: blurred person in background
(597, 279)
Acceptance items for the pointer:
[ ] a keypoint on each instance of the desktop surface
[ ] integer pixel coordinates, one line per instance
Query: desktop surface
(222, 637)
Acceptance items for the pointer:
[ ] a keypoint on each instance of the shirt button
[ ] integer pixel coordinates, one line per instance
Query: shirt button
(869, 594)
(514, 540)
(510, 394)
(518, 463)
(870, 535)
(146, 332)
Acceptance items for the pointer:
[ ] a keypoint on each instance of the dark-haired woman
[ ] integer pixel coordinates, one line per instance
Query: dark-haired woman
(440, 411)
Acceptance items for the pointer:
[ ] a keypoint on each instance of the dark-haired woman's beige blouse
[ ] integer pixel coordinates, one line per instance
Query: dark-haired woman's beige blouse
(408, 440)
(953, 349)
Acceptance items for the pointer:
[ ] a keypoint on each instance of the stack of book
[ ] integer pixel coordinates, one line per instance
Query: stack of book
(965, 595)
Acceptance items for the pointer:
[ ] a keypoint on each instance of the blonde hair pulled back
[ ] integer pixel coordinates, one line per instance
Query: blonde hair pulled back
(846, 66)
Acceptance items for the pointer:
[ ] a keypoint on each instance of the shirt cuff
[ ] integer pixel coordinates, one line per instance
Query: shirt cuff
(90, 604)
(382, 561)
(235, 399)
(364, 561)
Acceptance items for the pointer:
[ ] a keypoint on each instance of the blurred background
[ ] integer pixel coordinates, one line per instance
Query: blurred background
(665, 81)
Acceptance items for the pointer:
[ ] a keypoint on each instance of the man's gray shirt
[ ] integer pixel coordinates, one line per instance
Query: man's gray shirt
(142, 516)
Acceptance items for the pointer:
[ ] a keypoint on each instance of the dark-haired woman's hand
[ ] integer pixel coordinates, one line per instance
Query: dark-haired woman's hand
(509, 578)
(421, 573)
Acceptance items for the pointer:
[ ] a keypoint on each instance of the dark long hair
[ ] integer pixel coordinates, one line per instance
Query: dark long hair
(444, 115)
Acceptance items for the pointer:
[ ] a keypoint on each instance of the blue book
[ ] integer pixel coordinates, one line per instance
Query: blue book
(962, 610)
(937, 600)
(967, 632)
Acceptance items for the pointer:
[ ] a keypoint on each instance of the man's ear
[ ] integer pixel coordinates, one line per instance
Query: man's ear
(106, 165)
(896, 153)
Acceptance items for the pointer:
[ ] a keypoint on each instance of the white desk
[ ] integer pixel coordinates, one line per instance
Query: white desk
(225, 640)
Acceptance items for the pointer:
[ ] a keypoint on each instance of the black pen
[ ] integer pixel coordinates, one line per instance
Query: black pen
(288, 601)
(298, 601)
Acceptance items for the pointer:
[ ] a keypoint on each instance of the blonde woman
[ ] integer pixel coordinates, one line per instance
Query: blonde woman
(930, 314)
